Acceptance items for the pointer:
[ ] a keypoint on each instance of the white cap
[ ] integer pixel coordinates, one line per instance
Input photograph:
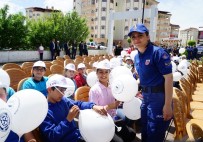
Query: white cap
(70, 66)
(81, 65)
(128, 58)
(57, 80)
(39, 64)
(103, 65)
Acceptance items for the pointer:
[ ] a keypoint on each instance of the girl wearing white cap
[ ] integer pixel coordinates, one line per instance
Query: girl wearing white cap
(101, 95)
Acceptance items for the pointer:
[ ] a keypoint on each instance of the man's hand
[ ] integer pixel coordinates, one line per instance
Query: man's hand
(100, 109)
(167, 112)
(73, 112)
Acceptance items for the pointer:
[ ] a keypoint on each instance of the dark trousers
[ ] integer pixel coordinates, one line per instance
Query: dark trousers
(41, 56)
(153, 125)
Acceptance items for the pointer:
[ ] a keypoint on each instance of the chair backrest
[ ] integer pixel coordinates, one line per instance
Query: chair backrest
(195, 130)
(48, 72)
(10, 66)
(82, 94)
(67, 61)
(66, 57)
(57, 62)
(56, 69)
(16, 75)
(178, 119)
(59, 58)
(26, 64)
(20, 84)
(28, 70)
(48, 64)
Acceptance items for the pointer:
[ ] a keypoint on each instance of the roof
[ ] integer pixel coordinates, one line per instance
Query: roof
(164, 12)
(43, 9)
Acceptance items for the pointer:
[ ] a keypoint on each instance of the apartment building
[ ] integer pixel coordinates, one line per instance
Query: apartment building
(38, 12)
(97, 12)
(189, 34)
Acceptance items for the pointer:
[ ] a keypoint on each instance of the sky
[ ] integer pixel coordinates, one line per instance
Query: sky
(185, 13)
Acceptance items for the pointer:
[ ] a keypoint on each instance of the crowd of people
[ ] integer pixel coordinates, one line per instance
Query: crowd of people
(151, 66)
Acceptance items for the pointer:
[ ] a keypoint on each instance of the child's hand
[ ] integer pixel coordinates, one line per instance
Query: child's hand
(73, 112)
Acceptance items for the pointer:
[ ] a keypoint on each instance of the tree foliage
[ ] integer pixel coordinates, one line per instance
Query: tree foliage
(17, 33)
(12, 29)
(191, 43)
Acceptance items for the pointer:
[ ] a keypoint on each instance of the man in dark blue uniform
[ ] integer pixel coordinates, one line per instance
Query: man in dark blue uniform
(154, 67)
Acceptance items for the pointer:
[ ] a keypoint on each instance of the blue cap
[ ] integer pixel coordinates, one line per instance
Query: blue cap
(140, 28)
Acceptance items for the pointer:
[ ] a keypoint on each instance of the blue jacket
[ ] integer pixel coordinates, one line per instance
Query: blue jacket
(37, 85)
(55, 127)
(13, 137)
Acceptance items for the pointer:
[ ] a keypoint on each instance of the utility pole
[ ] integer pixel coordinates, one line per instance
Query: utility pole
(143, 11)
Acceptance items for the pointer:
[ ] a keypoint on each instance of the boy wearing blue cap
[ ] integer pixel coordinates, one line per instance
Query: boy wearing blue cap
(157, 89)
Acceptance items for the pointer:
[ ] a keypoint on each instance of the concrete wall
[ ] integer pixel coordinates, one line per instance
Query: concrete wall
(22, 56)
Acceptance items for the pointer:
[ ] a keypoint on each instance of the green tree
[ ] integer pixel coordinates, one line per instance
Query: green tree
(12, 29)
(129, 41)
(191, 43)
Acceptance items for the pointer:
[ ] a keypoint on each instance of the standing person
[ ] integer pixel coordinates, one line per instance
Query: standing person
(38, 80)
(194, 52)
(81, 48)
(52, 49)
(41, 50)
(58, 48)
(66, 48)
(118, 49)
(74, 49)
(59, 124)
(157, 89)
(85, 51)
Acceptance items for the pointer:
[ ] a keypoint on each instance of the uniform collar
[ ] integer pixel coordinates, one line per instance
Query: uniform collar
(148, 50)
(36, 81)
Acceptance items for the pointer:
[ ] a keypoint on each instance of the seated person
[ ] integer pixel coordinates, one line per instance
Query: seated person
(101, 94)
(59, 124)
(80, 78)
(38, 80)
(10, 92)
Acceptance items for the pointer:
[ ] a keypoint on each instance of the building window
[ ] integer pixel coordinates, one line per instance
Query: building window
(125, 36)
(30, 16)
(114, 28)
(93, 2)
(102, 27)
(103, 18)
(103, 8)
(136, 0)
(95, 36)
(38, 14)
(33, 14)
(127, 0)
(92, 28)
(111, 1)
(92, 19)
(102, 35)
(126, 28)
(30, 10)
(74, 7)
(116, 4)
(127, 9)
(96, 27)
(104, 0)
(96, 10)
(96, 19)
(135, 19)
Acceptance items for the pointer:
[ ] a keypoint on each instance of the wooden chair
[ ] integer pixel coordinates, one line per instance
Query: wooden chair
(67, 61)
(48, 72)
(59, 58)
(57, 62)
(26, 64)
(88, 71)
(10, 66)
(66, 57)
(82, 94)
(56, 69)
(16, 75)
(28, 71)
(48, 64)
(195, 130)
(20, 84)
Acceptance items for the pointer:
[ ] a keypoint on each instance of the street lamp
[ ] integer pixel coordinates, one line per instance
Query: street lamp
(143, 11)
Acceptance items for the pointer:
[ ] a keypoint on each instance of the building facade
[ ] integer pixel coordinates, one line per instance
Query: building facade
(188, 34)
(97, 12)
(38, 12)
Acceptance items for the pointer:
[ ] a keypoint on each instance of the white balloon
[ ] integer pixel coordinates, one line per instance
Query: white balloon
(181, 50)
(91, 78)
(174, 66)
(124, 87)
(4, 78)
(117, 71)
(5, 121)
(182, 67)
(177, 76)
(133, 53)
(29, 108)
(131, 109)
(70, 89)
(95, 127)
(123, 53)
(114, 62)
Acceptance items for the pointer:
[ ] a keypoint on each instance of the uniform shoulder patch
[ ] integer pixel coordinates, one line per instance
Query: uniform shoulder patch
(165, 56)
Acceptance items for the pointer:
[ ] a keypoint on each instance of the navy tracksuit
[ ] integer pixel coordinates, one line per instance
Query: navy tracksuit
(151, 66)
